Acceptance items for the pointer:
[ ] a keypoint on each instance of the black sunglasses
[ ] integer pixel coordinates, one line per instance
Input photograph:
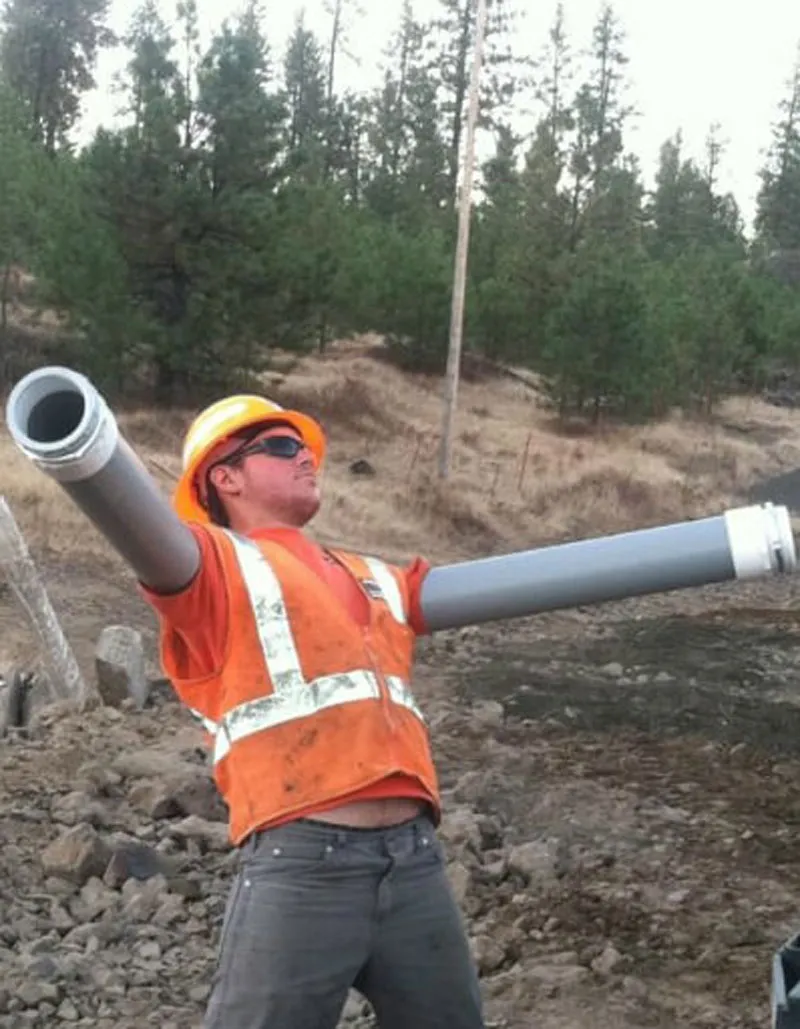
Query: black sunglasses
(285, 447)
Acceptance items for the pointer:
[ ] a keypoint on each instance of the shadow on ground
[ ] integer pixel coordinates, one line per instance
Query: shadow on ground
(668, 677)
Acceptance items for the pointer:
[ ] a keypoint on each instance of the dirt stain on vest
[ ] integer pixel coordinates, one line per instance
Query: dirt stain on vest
(308, 738)
(292, 785)
(302, 743)
(296, 754)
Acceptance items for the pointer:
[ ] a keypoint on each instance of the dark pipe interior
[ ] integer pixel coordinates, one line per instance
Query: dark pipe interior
(55, 416)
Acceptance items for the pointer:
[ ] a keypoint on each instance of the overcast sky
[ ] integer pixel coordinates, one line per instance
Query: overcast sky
(692, 62)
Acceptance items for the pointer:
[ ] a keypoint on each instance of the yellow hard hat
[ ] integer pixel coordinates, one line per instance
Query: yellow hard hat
(219, 422)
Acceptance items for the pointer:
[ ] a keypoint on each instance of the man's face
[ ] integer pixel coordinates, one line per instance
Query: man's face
(281, 485)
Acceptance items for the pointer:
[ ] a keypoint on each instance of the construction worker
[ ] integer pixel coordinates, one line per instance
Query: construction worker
(298, 660)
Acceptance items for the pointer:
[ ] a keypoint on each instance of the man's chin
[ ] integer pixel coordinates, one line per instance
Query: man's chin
(308, 509)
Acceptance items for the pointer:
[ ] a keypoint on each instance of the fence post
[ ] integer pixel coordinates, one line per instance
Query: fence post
(17, 565)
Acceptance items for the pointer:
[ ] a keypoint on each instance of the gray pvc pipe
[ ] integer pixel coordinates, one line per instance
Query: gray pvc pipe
(742, 543)
(61, 423)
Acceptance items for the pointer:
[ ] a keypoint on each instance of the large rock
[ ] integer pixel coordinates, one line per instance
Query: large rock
(608, 961)
(191, 793)
(211, 835)
(94, 898)
(553, 977)
(487, 952)
(535, 861)
(76, 807)
(460, 879)
(152, 763)
(77, 855)
(460, 829)
(120, 668)
(132, 860)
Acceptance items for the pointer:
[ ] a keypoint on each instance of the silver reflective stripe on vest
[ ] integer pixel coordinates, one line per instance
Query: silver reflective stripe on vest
(207, 724)
(388, 587)
(293, 695)
(276, 709)
(401, 694)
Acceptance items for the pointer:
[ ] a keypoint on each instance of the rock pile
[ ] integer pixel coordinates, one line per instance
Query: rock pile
(596, 873)
(116, 866)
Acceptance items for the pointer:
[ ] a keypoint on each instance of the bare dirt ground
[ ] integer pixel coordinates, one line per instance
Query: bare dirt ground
(659, 755)
(620, 782)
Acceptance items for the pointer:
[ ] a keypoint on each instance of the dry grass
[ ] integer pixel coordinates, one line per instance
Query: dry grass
(515, 481)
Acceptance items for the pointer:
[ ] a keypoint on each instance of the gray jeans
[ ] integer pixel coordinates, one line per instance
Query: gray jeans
(315, 910)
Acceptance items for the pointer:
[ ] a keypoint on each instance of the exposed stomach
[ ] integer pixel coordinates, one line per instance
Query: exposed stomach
(372, 814)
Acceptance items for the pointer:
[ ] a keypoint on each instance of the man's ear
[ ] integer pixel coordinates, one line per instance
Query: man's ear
(223, 479)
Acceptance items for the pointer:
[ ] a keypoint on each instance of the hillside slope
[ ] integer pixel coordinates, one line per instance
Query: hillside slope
(516, 480)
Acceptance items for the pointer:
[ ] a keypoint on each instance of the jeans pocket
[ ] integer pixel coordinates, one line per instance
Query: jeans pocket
(287, 848)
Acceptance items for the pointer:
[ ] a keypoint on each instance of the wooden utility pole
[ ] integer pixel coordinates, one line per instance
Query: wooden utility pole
(462, 248)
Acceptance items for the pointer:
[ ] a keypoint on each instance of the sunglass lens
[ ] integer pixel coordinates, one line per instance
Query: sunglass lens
(282, 446)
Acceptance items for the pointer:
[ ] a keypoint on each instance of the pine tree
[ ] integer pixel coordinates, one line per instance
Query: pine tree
(778, 205)
(47, 57)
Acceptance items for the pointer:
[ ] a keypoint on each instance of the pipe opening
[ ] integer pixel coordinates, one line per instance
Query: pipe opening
(61, 422)
(55, 416)
(50, 409)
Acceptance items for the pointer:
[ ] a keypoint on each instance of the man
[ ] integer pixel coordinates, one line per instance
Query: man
(298, 661)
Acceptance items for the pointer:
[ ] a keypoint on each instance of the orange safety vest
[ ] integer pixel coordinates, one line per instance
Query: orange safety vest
(308, 706)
